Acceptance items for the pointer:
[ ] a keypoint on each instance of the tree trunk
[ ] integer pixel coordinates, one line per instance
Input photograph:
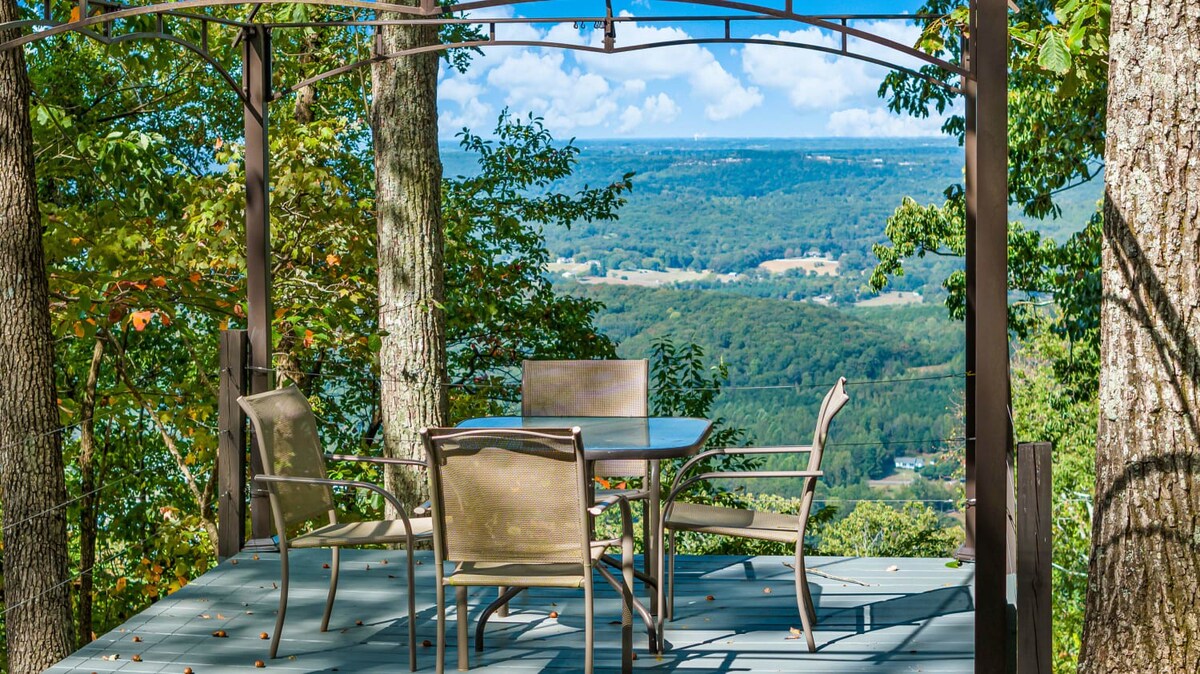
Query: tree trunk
(408, 174)
(90, 500)
(31, 464)
(1144, 585)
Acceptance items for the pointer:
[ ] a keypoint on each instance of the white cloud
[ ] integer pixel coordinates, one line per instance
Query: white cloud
(658, 109)
(726, 95)
(632, 87)
(631, 119)
(661, 108)
(566, 99)
(723, 93)
(878, 122)
(814, 80)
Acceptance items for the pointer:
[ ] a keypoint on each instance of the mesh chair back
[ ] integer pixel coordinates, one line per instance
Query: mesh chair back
(834, 401)
(588, 388)
(508, 495)
(285, 434)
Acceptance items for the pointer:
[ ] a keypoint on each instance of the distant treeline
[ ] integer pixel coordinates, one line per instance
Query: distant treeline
(803, 349)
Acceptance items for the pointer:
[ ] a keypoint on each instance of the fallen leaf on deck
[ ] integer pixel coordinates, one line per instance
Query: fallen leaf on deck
(794, 633)
(892, 569)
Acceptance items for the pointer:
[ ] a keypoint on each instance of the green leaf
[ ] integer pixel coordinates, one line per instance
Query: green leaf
(1054, 54)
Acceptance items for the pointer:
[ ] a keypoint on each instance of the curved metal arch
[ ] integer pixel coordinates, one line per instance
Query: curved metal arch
(349, 67)
(430, 12)
(844, 30)
(195, 49)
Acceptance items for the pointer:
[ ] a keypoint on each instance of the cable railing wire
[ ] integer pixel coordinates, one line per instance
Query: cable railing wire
(516, 387)
(77, 576)
(47, 511)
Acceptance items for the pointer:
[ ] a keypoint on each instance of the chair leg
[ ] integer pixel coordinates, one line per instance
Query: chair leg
(807, 613)
(441, 626)
(502, 610)
(334, 567)
(412, 615)
(463, 620)
(669, 609)
(283, 597)
(589, 627)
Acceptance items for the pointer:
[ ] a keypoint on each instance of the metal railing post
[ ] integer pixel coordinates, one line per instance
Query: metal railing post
(231, 447)
(1034, 549)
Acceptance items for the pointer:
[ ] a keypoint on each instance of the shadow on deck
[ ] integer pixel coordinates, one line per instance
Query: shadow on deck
(917, 617)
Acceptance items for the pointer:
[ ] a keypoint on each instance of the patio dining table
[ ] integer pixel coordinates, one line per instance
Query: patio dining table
(647, 438)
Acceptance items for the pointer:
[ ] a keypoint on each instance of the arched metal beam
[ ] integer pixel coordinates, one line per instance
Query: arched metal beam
(341, 70)
(826, 24)
(195, 49)
(837, 25)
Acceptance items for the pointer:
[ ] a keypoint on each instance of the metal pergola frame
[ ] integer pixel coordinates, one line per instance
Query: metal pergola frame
(982, 79)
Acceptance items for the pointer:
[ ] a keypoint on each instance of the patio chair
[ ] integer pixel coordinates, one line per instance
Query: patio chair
(512, 508)
(682, 516)
(592, 388)
(299, 491)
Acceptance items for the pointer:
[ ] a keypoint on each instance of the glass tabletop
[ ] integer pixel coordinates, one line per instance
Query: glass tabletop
(618, 437)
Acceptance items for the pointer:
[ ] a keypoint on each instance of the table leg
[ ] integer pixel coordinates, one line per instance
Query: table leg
(651, 530)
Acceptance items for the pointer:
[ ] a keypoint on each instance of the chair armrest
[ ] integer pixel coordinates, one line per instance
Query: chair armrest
(354, 484)
(797, 449)
(678, 488)
(386, 460)
(607, 502)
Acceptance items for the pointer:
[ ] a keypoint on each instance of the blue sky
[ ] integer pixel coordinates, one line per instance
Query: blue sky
(681, 91)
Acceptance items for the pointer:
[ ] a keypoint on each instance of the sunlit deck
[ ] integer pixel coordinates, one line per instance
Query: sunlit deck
(916, 617)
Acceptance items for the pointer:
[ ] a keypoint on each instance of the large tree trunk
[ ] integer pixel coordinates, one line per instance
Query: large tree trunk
(31, 464)
(408, 174)
(1144, 586)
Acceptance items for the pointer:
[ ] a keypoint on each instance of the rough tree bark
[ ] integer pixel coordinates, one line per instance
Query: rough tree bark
(87, 486)
(1144, 587)
(31, 464)
(408, 173)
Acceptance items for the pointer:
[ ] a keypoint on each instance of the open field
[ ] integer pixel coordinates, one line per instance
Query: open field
(815, 265)
(653, 279)
(892, 299)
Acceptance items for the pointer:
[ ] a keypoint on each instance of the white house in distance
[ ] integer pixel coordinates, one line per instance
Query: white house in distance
(910, 462)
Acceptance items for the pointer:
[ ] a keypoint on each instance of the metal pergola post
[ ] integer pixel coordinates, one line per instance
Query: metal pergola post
(256, 80)
(988, 405)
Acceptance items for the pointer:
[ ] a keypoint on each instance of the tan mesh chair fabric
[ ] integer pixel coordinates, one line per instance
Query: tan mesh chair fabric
(286, 439)
(588, 388)
(509, 496)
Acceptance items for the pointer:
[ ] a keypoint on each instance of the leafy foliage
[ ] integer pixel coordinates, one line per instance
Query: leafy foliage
(879, 530)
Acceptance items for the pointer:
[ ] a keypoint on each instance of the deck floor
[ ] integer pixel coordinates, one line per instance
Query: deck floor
(908, 615)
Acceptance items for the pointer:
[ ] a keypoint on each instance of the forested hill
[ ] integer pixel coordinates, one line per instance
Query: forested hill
(806, 347)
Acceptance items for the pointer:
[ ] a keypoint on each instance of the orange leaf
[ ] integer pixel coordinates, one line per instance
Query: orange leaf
(308, 338)
(121, 582)
(78, 329)
(75, 13)
(159, 282)
(333, 260)
(603, 483)
(194, 277)
(140, 319)
(166, 320)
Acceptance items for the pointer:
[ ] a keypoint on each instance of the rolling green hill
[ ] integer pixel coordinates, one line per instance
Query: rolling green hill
(802, 349)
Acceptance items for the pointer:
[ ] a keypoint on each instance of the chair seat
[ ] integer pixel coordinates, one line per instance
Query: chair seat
(362, 533)
(733, 522)
(564, 574)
